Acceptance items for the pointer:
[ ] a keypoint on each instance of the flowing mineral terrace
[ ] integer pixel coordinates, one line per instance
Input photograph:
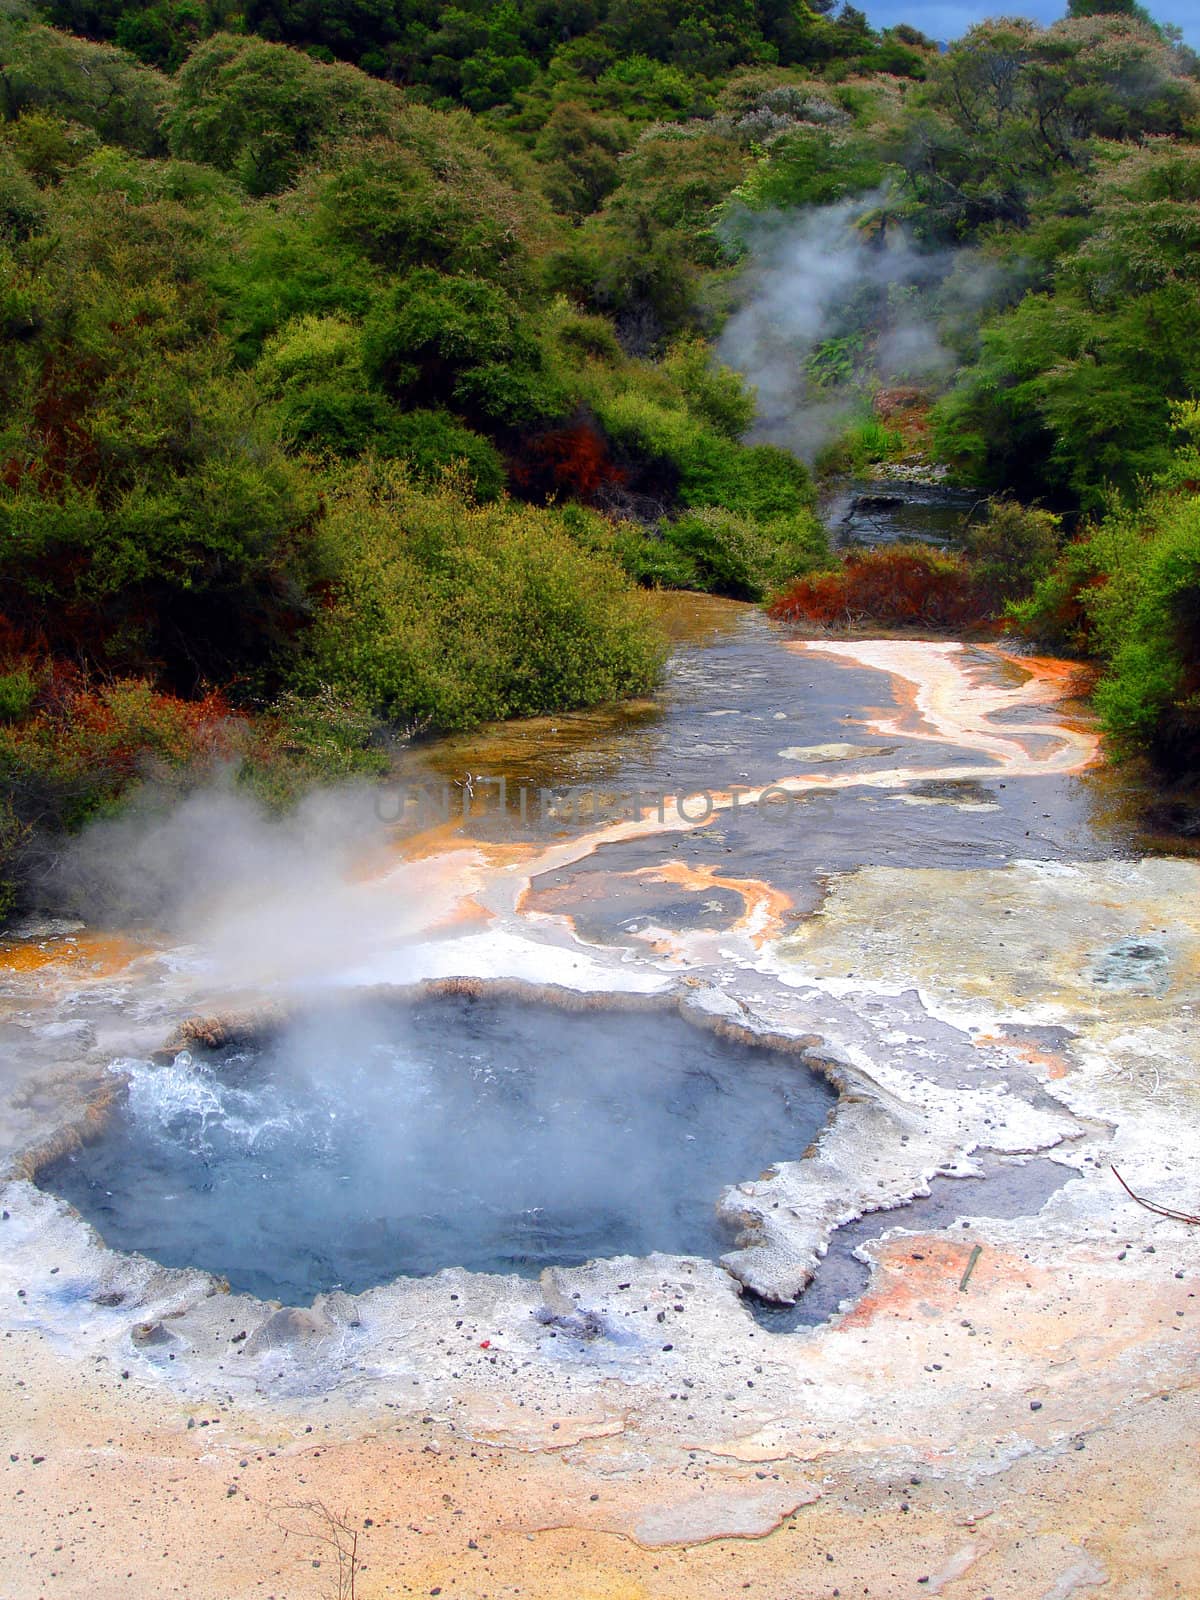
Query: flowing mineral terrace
(903, 871)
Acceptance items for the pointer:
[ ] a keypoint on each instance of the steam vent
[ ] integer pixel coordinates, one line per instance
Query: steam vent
(599, 800)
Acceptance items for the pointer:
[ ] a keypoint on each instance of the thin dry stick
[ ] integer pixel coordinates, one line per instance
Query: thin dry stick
(966, 1277)
(1159, 1211)
(330, 1528)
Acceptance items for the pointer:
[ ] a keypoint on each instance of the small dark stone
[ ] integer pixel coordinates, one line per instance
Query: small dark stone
(1035, 1405)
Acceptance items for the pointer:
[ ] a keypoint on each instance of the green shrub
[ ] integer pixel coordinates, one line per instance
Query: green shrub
(742, 558)
(22, 210)
(90, 84)
(860, 447)
(720, 552)
(433, 442)
(811, 167)
(714, 393)
(17, 690)
(47, 146)
(321, 737)
(589, 337)
(454, 340)
(436, 192)
(1127, 592)
(1012, 547)
(314, 368)
(260, 111)
(448, 613)
(758, 481)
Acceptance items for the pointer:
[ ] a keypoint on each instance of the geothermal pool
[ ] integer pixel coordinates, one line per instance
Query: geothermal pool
(378, 1140)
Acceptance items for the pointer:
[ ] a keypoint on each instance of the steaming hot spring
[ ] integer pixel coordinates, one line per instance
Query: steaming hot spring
(385, 1139)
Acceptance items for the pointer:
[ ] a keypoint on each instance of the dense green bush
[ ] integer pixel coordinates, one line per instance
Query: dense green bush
(1127, 592)
(98, 87)
(259, 112)
(440, 339)
(735, 555)
(1012, 547)
(447, 613)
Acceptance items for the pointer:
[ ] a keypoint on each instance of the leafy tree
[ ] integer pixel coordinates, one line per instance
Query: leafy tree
(1073, 385)
(453, 340)
(99, 87)
(1011, 107)
(259, 112)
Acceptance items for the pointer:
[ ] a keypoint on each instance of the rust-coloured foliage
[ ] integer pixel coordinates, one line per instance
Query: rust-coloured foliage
(62, 449)
(100, 736)
(896, 585)
(572, 463)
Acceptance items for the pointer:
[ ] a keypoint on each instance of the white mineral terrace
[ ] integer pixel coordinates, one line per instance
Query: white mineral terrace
(1010, 1408)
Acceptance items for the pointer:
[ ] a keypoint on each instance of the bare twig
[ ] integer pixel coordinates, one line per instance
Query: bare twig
(1159, 1211)
(966, 1277)
(328, 1527)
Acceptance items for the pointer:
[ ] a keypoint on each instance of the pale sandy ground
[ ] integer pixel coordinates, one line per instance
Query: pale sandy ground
(127, 1502)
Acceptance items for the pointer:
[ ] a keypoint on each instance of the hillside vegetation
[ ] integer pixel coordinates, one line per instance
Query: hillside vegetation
(357, 358)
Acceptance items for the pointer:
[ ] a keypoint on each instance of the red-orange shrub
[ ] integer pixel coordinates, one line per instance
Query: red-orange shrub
(81, 745)
(572, 462)
(899, 585)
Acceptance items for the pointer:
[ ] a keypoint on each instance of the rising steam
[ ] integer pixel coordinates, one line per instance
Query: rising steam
(836, 300)
(260, 897)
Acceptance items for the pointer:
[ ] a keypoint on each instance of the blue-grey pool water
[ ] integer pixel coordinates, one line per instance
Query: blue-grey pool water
(379, 1140)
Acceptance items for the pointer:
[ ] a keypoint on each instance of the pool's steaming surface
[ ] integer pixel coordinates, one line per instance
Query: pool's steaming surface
(501, 1136)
